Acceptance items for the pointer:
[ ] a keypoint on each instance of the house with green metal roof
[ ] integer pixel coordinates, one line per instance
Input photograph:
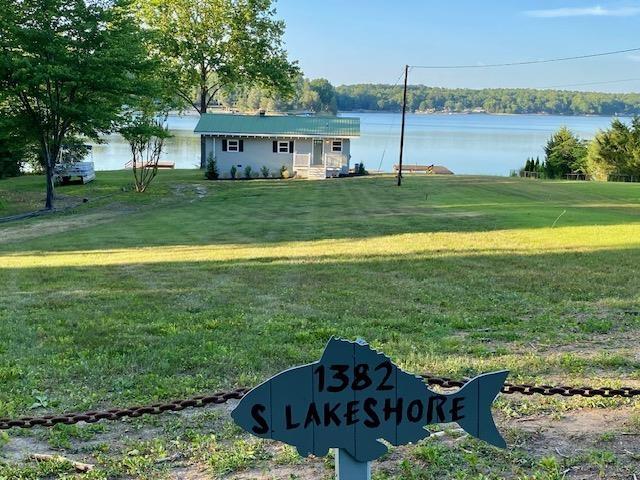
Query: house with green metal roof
(308, 146)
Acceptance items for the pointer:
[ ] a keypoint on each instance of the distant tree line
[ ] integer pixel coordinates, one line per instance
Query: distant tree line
(614, 151)
(421, 98)
(319, 96)
(313, 96)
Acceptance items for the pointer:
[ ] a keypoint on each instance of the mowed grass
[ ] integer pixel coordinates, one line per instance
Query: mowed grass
(198, 286)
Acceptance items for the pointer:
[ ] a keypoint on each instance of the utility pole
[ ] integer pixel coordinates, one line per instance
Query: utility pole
(404, 112)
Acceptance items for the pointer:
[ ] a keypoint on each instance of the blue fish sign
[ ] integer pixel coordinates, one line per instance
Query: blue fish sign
(355, 396)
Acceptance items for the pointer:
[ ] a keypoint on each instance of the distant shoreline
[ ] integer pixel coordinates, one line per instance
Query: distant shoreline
(442, 113)
(190, 113)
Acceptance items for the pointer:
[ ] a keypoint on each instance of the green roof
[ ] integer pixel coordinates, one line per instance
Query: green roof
(278, 125)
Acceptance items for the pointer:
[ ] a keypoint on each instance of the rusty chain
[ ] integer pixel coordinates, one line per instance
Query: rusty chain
(237, 394)
(118, 413)
(546, 390)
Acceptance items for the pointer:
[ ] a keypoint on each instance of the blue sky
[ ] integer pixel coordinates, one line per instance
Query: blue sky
(368, 41)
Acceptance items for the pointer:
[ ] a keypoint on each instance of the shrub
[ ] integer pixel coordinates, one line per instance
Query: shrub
(284, 172)
(212, 173)
(247, 171)
(264, 171)
(359, 169)
(233, 172)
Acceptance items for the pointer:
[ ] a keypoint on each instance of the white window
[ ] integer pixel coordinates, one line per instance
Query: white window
(233, 145)
(283, 147)
(336, 146)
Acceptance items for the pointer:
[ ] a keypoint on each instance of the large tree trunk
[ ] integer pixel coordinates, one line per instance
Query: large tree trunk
(49, 201)
(49, 163)
(203, 143)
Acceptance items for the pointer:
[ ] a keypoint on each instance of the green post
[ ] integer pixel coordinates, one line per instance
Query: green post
(348, 468)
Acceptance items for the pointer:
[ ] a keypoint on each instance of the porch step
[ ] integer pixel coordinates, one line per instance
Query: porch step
(317, 173)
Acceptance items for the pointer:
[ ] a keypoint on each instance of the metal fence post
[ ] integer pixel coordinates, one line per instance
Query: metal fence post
(348, 468)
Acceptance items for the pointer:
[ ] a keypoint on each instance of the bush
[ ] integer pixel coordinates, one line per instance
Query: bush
(615, 150)
(247, 172)
(264, 171)
(16, 148)
(565, 153)
(212, 173)
(361, 170)
(284, 172)
(233, 172)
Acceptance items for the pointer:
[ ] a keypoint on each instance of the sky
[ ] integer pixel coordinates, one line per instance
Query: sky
(369, 41)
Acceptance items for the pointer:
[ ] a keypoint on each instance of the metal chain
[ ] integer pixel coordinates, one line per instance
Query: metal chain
(546, 390)
(118, 413)
(237, 394)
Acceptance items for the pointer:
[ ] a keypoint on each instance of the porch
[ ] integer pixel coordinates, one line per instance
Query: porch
(326, 165)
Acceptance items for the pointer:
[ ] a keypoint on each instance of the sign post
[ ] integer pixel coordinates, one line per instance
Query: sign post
(348, 468)
(353, 397)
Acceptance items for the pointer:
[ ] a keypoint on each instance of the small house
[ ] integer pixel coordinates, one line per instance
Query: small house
(308, 146)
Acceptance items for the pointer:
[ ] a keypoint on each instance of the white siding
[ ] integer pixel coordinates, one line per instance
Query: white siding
(258, 152)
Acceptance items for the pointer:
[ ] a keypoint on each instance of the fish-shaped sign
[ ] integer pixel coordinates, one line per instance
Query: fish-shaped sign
(355, 396)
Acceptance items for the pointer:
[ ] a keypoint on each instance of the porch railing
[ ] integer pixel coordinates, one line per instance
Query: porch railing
(301, 160)
(333, 160)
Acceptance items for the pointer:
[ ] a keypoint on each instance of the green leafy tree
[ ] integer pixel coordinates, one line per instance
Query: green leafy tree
(565, 153)
(16, 147)
(208, 45)
(326, 95)
(615, 150)
(67, 67)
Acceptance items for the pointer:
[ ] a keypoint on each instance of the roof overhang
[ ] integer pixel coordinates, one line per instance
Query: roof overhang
(272, 135)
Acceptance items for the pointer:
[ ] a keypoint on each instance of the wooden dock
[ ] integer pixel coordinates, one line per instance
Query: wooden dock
(161, 165)
(428, 169)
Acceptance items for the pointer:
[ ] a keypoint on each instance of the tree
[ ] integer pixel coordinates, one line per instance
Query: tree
(208, 45)
(67, 67)
(326, 96)
(565, 153)
(146, 135)
(16, 149)
(616, 150)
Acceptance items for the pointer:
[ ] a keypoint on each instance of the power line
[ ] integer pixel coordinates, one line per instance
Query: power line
(384, 150)
(530, 62)
(607, 82)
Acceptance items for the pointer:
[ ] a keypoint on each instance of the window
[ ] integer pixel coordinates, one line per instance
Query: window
(283, 147)
(336, 146)
(233, 145)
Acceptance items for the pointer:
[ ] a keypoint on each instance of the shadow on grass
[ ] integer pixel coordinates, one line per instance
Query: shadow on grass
(273, 212)
(96, 335)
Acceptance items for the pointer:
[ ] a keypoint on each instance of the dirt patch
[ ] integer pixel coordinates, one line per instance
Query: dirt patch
(602, 443)
(307, 470)
(195, 190)
(57, 224)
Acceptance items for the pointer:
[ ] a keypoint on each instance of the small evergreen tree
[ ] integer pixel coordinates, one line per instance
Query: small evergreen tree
(212, 172)
(233, 172)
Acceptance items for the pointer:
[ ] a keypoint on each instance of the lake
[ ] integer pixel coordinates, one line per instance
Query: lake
(466, 144)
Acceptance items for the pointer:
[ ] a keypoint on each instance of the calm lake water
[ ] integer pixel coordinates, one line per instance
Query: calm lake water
(466, 144)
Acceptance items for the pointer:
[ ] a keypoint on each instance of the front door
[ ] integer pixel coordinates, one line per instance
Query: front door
(317, 152)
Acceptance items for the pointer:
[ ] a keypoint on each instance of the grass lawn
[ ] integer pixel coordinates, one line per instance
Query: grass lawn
(197, 286)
